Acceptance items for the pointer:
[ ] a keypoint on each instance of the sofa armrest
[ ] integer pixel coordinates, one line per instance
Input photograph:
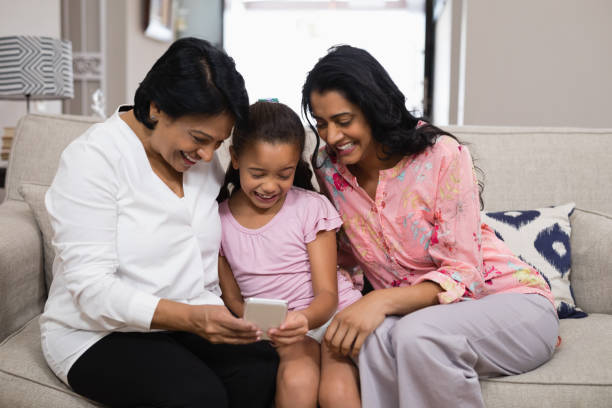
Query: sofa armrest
(22, 281)
(591, 274)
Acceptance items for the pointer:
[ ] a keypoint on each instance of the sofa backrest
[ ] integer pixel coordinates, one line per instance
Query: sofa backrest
(529, 168)
(524, 168)
(41, 139)
(38, 144)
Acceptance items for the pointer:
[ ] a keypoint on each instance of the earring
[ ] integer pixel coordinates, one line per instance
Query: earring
(153, 117)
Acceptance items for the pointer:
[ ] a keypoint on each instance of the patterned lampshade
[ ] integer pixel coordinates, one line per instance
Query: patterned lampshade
(35, 68)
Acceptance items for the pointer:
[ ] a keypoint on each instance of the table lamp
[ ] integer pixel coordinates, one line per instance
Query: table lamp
(35, 68)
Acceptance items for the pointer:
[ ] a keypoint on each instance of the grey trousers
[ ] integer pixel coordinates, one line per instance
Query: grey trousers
(434, 357)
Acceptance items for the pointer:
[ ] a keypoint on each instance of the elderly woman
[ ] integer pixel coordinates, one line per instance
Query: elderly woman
(134, 315)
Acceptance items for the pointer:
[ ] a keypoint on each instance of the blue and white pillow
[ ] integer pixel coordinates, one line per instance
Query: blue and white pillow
(541, 238)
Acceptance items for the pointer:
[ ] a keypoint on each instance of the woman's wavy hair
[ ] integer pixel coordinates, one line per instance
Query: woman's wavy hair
(362, 80)
(192, 77)
(269, 122)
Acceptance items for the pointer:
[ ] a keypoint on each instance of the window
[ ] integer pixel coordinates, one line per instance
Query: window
(276, 43)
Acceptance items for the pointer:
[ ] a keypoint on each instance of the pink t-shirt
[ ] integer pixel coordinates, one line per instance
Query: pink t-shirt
(424, 224)
(272, 261)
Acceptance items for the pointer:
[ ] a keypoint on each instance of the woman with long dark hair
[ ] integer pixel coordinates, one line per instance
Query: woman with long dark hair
(450, 302)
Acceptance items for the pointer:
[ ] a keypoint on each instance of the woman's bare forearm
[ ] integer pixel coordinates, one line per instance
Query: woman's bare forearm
(170, 315)
(404, 300)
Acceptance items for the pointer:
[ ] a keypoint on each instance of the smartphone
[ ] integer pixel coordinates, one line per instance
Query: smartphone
(265, 313)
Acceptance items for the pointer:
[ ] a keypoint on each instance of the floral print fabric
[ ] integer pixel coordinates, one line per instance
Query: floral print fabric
(424, 224)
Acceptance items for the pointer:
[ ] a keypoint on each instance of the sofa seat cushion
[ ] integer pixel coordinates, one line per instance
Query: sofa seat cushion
(579, 374)
(25, 378)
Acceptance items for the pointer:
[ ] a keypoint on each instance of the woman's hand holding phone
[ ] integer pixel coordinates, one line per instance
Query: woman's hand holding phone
(292, 330)
(217, 325)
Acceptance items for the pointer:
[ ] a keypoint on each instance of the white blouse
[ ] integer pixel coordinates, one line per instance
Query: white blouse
(123, 241)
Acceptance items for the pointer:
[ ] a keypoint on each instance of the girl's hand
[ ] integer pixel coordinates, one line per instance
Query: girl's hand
(217, 325)
(293, 329)
(350, 327)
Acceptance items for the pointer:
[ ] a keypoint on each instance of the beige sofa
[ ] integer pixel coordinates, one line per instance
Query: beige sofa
(525, 168)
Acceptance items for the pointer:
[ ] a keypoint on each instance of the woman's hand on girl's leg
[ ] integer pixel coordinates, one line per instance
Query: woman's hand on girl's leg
(350, 327)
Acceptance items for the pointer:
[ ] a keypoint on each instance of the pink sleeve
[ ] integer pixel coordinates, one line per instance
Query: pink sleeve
(455, 245)
(320, 215)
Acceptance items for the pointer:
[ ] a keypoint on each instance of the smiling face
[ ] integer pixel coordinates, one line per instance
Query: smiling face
(266, 172)
(184, 141)
(343, 127)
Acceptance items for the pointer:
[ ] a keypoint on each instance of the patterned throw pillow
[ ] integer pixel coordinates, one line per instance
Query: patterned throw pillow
(541, 238)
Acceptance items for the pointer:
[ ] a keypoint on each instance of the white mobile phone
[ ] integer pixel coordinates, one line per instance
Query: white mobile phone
(265, 313)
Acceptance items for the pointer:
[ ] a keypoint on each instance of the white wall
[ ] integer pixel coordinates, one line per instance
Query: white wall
(116, 51)
(535, 63)
(447, 63)
(142, 52)
(28, 17)
(542, 63)
(130, 54)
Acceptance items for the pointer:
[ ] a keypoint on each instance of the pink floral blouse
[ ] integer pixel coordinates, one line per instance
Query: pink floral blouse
(424, 224)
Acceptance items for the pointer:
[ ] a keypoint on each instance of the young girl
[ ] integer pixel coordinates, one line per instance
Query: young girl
(278, 242)
(451, 302)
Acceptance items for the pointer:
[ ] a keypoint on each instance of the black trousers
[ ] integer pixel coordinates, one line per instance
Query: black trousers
(175, 369)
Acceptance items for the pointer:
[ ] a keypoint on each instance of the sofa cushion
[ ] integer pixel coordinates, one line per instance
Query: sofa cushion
(22, 283)
(541, 237)
(39, 142)
(25, 378)
(591, 262)
(578, 375)
(34, 195)
(532, 167)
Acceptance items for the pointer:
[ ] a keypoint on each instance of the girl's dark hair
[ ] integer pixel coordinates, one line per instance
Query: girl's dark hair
(269, 122)
(362, 80)
(192, 77)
